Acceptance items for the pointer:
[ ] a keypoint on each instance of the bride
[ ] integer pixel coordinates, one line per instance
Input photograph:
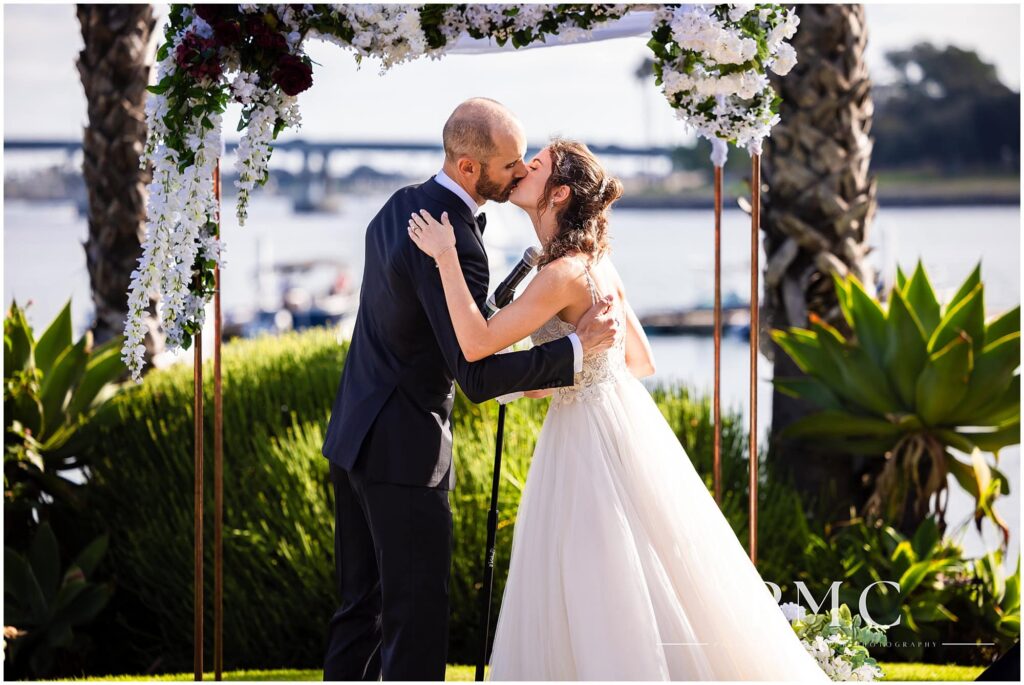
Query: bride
(622, 566)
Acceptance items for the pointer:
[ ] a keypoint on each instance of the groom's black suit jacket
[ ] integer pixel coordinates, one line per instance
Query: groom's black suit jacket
(396, 388)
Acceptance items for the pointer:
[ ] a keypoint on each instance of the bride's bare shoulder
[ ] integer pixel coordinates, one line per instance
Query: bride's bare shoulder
(564, 269)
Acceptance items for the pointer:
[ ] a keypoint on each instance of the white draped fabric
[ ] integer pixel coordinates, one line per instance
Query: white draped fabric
(636, 23)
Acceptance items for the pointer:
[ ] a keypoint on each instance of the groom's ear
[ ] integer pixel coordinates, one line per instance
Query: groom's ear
(467, 166)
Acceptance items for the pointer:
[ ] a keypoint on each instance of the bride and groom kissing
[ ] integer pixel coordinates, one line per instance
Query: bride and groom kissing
(622, 565)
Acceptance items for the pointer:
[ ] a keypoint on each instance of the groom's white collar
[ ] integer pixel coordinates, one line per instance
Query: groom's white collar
(445, 180)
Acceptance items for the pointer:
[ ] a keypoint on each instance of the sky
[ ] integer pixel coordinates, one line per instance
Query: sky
(586, 91)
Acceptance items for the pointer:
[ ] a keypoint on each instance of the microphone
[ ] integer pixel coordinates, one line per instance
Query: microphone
(506, 290)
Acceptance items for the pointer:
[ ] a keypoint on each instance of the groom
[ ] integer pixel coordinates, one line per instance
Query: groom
(389, 439)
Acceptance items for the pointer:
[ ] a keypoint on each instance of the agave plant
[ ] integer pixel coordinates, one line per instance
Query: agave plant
(915, 381)
(42, 607)
(51, 387)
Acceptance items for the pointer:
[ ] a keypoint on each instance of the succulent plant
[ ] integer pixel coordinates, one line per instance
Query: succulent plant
(44, 606)
(51, 387)
(915, 381)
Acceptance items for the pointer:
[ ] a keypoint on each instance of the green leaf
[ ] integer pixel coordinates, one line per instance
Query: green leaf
(901, 279)
(968, 316)
(1006, 406)
(905, 349)
(806, 352)
(903, 557)
(925, 538)
(964, 474)
(862, 382)
(871, 447)
(21, 587)
(57, 384)
(1003, 325)
(808, 388)
(868, 322)
(991, 376)
(104, 366)
(922, 300)
(89, 558)
(45, 560)
(842, 287)
(1011, 597)
(86, 604)
(840, 424)
(913, 576)
(67, 593)
(993, 441)
(18, 342)
(969, 284)
(943, 383)
(54, 340)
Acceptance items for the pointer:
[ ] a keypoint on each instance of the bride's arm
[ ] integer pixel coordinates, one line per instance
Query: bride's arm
(549, 292)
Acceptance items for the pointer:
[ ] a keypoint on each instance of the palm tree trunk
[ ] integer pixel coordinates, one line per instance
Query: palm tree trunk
(818, 205)
(114, 67)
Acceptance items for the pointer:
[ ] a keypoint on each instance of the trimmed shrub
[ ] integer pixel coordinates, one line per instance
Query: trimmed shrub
(278, 504)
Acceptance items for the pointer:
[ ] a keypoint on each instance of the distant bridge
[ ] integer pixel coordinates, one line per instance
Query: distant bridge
(311, 191)
(329, 146)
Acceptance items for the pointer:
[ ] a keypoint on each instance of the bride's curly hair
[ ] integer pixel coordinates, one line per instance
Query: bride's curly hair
(582, 219)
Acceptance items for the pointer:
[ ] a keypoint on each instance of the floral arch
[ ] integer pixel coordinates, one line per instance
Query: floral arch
(711, 62)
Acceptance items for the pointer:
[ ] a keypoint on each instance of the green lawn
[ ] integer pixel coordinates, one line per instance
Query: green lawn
(893, 671)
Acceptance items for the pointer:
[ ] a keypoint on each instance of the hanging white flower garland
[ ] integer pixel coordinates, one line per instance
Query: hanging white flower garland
(711, 61)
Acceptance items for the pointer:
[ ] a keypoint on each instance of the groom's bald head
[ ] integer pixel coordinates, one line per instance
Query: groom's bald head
(477, 128)
(484, 145)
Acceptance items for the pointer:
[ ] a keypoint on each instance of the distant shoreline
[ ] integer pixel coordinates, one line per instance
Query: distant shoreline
(729, 202)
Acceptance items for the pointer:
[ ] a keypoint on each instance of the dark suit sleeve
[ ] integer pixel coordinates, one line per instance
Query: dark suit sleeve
(545, 366)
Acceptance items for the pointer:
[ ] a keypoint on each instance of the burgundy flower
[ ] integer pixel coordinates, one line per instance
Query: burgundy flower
(227, 32)
(293, 75)
(263, 36)
(198, 56)
(212, 14)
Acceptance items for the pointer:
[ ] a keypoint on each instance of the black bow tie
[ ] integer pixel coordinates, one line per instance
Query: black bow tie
(481, 222)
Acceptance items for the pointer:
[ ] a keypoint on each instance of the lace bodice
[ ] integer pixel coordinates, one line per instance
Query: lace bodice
(600, 369)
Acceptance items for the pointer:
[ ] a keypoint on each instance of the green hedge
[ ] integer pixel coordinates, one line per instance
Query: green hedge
(278, 532)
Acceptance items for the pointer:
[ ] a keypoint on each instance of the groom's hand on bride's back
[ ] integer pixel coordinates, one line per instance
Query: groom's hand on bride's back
(599, 328)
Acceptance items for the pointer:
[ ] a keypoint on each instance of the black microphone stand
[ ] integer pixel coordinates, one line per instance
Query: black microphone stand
(505, 296)
(492, 527)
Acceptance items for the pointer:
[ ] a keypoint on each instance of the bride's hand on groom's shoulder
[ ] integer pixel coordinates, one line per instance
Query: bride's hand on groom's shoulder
(430, 235)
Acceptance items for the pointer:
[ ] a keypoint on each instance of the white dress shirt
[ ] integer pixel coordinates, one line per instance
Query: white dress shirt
(445, 180)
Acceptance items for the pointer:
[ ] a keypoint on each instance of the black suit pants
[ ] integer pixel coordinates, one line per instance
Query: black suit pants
(393, 548)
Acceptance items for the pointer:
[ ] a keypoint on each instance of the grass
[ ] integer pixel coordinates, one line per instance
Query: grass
(893, 672)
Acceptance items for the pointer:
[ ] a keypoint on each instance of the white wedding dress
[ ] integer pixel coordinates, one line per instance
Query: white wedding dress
(623, 566)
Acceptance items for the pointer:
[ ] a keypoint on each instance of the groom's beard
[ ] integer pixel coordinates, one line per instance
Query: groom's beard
(488, 188)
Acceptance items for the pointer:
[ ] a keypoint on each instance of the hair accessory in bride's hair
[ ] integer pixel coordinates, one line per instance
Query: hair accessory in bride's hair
(604, 186)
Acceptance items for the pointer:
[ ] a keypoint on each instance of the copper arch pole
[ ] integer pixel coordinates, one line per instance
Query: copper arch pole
(197, 418)
(717, 402)
(218, 479)
(755, 224)
(218, 463)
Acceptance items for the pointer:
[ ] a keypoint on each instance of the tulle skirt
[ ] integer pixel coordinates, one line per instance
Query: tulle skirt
(623, 566)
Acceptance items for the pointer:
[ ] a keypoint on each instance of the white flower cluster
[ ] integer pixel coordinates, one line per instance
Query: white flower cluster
(833, 660)
(179, 207)
(252, 159)
(835, 653)
(492, 20)
(390, 32)
(742, 109)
